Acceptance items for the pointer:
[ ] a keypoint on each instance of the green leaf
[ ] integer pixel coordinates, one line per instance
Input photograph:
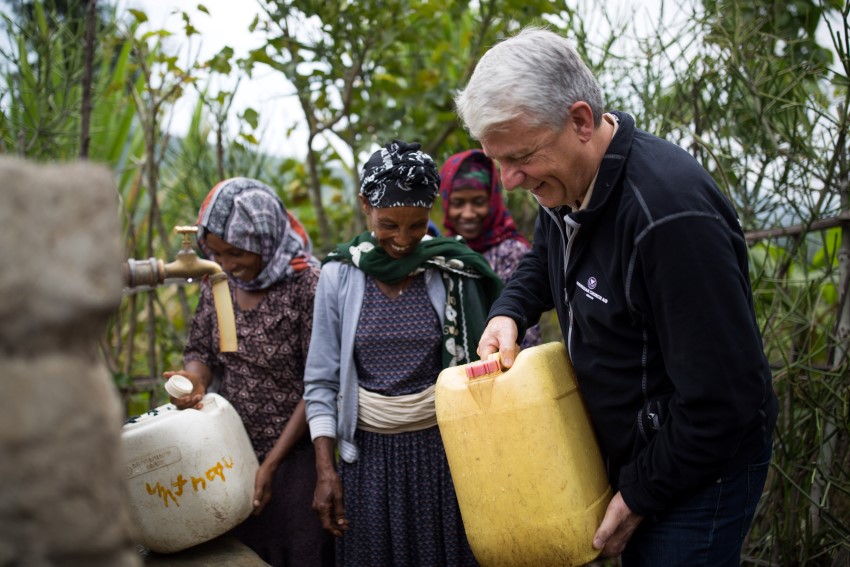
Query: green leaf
(140, 16)
(252, 117)
(249, 138)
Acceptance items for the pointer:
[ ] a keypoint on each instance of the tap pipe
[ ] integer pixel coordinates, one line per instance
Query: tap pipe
(150, 272)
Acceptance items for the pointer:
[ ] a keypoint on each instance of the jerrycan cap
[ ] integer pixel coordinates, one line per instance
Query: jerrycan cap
(482, 368)
(178, 386)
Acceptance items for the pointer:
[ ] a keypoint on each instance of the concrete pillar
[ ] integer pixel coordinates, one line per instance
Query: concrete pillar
(63, 500)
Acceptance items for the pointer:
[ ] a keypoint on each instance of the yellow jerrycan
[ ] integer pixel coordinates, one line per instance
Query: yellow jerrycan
(523, 456)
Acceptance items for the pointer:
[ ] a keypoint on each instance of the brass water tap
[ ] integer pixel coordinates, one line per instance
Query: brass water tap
(153, 272)
(187, 264)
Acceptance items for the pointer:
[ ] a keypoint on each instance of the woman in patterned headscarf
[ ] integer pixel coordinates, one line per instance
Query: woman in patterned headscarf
(266, 254)
(393, 308)
(471, 197)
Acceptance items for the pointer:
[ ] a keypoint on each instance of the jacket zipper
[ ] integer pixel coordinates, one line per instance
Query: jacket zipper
(568, 230)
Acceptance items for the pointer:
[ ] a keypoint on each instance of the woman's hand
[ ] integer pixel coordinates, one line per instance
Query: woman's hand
(199, 388)
(327, 499)
(263, 483)
(327, 503)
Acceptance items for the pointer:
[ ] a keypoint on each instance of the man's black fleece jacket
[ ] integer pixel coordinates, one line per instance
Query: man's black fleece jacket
(651, 285)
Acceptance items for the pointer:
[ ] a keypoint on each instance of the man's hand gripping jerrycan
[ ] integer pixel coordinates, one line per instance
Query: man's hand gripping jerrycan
(524, 460)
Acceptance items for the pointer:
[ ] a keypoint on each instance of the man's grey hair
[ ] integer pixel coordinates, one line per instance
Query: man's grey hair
(537, 75)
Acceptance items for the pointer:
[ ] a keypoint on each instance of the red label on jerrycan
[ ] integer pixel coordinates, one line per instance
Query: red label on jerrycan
(527, 470)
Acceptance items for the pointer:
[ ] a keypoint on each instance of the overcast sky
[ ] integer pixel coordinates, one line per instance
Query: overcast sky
(227, 25)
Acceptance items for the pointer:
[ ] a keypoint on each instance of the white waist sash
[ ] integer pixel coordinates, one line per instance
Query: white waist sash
(396, 414)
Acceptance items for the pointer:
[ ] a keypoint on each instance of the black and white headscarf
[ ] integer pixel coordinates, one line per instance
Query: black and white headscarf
(400, 175)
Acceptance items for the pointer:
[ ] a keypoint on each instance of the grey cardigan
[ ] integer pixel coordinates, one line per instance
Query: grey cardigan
(330, 378)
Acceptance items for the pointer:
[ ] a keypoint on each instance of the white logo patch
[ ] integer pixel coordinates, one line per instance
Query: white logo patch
(588, 290)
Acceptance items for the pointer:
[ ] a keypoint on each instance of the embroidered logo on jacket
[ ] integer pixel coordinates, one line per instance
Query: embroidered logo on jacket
(588, 290)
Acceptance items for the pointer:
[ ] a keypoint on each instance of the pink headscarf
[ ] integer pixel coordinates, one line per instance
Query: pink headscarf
(499, 225)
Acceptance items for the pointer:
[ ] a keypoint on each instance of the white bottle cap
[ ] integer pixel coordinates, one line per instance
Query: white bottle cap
(178, 386)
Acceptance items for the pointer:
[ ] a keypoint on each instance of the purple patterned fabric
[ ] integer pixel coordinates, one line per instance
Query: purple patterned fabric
(402, 357)
(399, 495)
(264, 379)
(504, 259)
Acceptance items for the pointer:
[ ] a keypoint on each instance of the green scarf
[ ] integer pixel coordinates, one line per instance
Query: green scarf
(471, 285)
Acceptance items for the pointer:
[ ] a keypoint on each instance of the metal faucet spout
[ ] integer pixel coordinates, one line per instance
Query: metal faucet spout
(153, 272)
(188, 265)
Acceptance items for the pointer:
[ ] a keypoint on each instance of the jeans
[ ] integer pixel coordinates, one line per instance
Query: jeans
(707, 528)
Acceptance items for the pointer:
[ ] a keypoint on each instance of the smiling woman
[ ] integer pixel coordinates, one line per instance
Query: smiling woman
(473, 208)
(267, 257)
(397, 229)
(240, 264)
(393, 308)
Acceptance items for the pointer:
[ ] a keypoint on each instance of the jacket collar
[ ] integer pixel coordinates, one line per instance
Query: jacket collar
(610, 171)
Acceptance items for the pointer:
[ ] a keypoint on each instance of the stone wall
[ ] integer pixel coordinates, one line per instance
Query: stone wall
(63, 500)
